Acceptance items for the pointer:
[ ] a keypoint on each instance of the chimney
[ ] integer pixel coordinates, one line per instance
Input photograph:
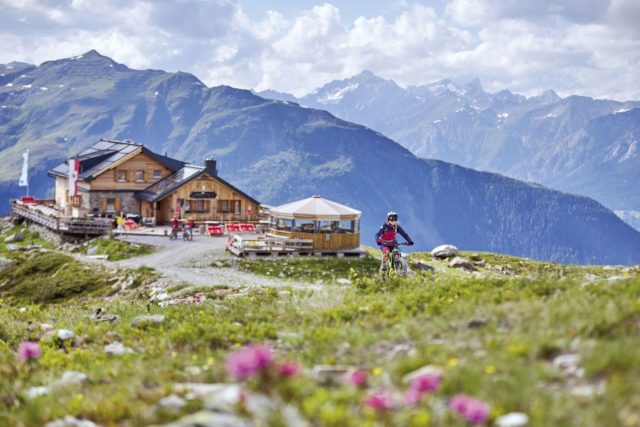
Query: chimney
(210, 167)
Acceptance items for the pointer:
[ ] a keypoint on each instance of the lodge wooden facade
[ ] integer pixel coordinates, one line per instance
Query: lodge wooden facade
(121, 177)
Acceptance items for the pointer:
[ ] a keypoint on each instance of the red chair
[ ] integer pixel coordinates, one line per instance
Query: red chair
(215, 230)
(233, 227)
(28, 199)
(247, 227)
(130, 224)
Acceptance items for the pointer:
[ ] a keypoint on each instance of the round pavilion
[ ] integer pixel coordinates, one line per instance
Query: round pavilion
(330, 225)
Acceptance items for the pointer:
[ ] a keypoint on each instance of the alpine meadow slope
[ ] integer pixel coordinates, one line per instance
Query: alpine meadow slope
(278, 152)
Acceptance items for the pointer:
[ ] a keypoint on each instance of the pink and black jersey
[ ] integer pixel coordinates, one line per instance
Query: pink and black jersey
(386, 236)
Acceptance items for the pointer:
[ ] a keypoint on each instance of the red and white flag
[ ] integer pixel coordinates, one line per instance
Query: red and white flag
(74, 171)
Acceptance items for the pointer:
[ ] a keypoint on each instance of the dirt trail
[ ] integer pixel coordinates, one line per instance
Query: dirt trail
(193, 263)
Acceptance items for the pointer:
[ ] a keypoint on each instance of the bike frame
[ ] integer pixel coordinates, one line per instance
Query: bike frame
(394, 260)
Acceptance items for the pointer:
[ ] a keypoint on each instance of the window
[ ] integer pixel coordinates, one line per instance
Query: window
(229, 206)
(122, 176)
(201, 206)
(76, 201)
(157, 174)
(139, 175)
(111, 205)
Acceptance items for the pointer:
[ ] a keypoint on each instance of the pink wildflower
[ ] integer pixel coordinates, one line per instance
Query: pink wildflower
(473, 410)
(29, 350)
(289, 369)
(248, 361)
(357, 377)
(424, 384)
(379, 401)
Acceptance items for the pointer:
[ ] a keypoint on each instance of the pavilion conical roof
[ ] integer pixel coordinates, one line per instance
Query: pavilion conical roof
(315, 208)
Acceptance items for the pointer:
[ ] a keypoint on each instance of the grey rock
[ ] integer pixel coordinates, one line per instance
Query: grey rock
(70, 421)
(569, 364)
(154, 319)
(15, 238)
(92, 250)
(423, 266)
(513, 419)
(117, 349)
(172, 402)
(444, 251)
(343, 281)
(12, 248)
(209, 419)
(70, 377)
(329, 374)
(5, 263)
(459, 262)
(33, 392)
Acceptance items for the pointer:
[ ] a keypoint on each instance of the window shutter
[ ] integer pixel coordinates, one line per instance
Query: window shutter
(115, 175)
(103, 204)
(118, 204)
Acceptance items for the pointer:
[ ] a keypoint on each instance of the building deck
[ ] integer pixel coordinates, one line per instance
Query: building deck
(50, 218)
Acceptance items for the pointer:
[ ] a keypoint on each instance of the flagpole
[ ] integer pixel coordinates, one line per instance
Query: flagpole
(27, 173)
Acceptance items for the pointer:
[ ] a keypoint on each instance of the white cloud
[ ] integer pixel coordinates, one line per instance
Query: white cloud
(588, 47)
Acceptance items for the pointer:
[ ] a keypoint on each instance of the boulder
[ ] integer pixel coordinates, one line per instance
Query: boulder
(444, 251)
(459, 262)
(210, 419)
(154, 319)
(172, 402)
(70, 421)
(423, 266)
(117, 349)
(5, 263)
(15, 238)
(513, 419)
(329, 374)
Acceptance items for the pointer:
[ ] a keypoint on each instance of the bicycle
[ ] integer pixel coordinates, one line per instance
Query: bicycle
(187, 234)
(396, 262)
(173, 235)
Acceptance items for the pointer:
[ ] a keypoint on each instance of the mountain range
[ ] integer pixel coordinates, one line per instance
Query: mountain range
(575, 144)
(278, 151)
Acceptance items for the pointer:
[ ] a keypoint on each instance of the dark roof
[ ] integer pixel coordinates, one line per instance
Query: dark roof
(168, 185)
(105, 153)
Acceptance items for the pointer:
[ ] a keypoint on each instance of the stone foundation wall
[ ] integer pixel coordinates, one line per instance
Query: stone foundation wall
(128, 203)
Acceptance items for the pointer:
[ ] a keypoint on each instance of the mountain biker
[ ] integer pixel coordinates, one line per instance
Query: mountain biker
(386, 237)
(189, 227)
(175, 224)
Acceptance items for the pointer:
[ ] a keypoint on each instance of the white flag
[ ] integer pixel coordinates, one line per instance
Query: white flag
(74, 171)
(24, 177)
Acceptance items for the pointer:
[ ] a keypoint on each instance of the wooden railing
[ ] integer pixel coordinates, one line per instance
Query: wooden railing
(50, 218)
(267, 244)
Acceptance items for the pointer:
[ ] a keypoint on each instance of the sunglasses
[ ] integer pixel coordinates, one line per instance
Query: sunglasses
(392, 220)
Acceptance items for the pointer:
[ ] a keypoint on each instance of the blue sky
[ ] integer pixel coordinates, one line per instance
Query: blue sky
(586, 47)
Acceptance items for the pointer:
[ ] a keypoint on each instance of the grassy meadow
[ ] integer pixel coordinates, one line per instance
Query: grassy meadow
(560, 344)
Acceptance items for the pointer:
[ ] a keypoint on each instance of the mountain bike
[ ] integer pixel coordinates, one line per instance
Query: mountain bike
(396, 262)
(173, 234)
(187, 234)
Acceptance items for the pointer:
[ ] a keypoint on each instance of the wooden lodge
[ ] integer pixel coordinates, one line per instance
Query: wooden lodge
(111, 178)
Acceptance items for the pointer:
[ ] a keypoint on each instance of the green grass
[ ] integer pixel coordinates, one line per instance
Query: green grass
(494, 336)
(118, 250)
(31, 238)
(327, 269)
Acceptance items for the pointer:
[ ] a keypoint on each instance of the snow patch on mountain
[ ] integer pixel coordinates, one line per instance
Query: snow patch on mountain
(337, 94)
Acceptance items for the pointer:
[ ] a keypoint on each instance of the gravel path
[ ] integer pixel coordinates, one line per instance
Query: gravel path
(191, 262)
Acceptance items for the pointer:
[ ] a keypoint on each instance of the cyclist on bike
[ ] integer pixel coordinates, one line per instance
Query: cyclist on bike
(189, 228)
(386, 237)
(175, 224)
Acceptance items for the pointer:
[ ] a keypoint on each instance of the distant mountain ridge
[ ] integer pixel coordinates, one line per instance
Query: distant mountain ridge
(278, 152)
(537, 138)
